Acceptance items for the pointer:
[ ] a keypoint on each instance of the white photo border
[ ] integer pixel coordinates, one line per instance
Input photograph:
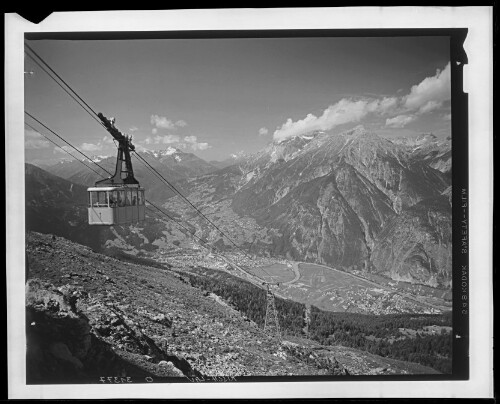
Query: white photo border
(478, 83)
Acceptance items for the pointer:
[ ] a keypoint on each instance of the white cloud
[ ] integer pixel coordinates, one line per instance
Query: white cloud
(200, 146)
(425, 97)
(141, 148)
(165, 123)
(91, 146)
(430, 93)
(190, 139)
(399, 121)
(192, 142)
(63, 149)
(344, 111)
(162, 122)
(170, 139)
(34, 140)
(166, 139)
(429, 107)
(263, 131)
(388, 105)
(104, 143)
(154, 131)
(447, 117)
(107, 140)
(133, 128)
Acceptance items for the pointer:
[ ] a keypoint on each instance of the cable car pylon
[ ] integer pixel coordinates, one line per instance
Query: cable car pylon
(271, 322)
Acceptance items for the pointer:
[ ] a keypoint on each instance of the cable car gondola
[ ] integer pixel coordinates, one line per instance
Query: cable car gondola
(118, 199)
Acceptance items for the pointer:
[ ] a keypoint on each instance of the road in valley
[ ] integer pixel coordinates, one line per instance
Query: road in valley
(295, 267)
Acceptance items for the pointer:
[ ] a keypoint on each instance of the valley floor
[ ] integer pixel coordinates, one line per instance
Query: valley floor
(331, 289)
(325, 287)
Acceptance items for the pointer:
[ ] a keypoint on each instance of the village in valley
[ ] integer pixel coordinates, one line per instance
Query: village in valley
(327, 288)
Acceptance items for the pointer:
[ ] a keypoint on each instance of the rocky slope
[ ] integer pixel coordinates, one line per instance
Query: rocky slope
(61, 346)
(429, 148)
(57, 206)
(90, 316)
(54, 205)
(416, 245)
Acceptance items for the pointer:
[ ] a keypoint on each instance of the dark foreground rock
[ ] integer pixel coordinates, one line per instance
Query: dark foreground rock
(63, 348)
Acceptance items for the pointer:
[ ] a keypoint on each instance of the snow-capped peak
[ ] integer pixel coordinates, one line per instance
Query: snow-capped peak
(305, 136)
(162, 153)
(169, 150)
(238, 155)
(97, 159)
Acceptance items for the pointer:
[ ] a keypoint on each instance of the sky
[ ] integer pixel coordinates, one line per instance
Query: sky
(215, 97)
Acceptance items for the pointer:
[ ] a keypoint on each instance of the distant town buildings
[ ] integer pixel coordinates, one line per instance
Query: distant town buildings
(353, 298)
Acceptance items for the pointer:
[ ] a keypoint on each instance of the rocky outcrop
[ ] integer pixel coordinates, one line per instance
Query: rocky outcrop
(64, 346)
(416, 246)
(433, 151)
(59, 339)
(317, 357)
(317, 224)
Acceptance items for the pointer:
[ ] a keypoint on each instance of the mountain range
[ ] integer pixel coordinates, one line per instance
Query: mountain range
(353, 200)
(171, 163)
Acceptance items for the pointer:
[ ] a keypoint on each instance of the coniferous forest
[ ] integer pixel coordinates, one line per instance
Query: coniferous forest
(382, 335)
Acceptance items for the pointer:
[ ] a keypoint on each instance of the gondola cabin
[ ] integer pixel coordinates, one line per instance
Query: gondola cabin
(118, 199)
(116, 205)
